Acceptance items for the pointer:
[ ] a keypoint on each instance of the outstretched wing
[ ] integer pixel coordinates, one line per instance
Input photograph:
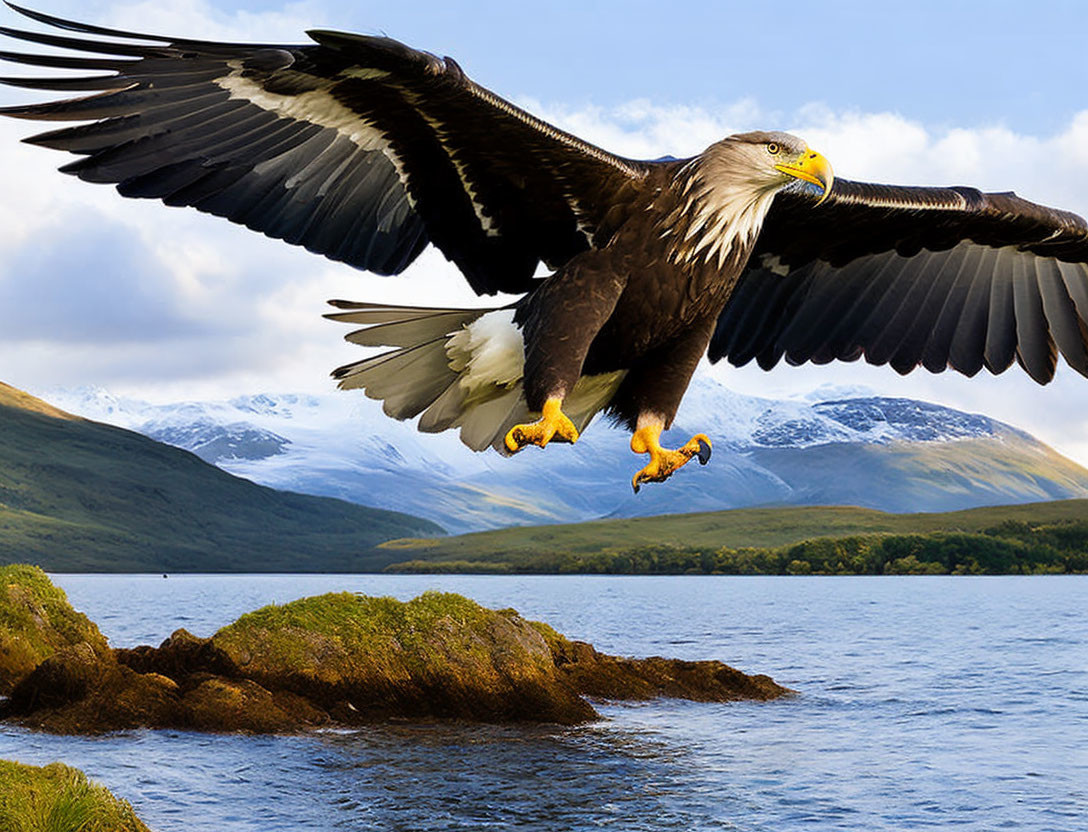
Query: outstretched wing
(938, 277)
(358, 148)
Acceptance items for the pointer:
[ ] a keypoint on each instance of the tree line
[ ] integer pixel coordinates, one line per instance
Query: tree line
(1011, 548)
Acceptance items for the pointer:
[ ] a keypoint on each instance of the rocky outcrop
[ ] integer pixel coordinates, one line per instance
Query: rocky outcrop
(600, 676)
(36, 620)
(437, 656)
(345, 659)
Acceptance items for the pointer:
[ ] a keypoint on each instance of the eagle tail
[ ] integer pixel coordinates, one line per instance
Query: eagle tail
(454, 368)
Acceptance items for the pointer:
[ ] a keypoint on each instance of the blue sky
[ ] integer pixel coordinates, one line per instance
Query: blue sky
(946, 63)
(170, 304)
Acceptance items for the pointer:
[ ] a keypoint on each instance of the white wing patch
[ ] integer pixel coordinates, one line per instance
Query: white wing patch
(320, 108)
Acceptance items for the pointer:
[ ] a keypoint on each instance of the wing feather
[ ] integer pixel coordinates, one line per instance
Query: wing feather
(1001, 325)
(968, 346)
(1075, 277)
(1035, 348)
(922, 326)
(909, 276)
(844, 311)
(890, 323)
(82, 84)
(359, 148)
(1069, 330)
(65, 62)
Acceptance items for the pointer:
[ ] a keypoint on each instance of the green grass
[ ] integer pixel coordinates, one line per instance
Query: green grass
(81, 496)
(345, 632)
(382, 647)
(358, 618)
(36, 620)
(574, 547)
(57, 798)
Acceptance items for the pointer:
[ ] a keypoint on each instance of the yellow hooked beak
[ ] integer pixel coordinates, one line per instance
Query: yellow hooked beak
(810, 166)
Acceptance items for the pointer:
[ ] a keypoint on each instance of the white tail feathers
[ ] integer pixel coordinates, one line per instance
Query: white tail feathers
(459, 368)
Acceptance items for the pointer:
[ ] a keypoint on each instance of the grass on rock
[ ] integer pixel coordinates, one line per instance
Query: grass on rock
(36, 620)
(57, 798)
(348, 633)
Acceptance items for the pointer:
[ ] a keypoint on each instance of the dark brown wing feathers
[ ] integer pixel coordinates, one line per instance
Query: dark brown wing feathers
(365, 150)
(907, 276)
(359, 148)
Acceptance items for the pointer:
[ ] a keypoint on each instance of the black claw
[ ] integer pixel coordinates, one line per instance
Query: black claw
(636, 486)
(704, 452)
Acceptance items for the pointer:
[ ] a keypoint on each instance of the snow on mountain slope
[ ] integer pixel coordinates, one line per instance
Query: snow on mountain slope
(896, 454)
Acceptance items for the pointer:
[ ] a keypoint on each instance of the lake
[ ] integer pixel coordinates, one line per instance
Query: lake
(926, 703)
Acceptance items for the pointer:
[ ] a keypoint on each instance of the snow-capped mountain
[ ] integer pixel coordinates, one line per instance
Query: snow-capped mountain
(894, 454)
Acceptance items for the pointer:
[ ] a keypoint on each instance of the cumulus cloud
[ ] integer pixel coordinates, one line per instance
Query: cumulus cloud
(74, 283)
(173, 304)
(884, 147)
(202, 20)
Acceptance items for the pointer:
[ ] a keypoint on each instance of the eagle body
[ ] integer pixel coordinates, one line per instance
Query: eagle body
(646, 301)
(367, 151)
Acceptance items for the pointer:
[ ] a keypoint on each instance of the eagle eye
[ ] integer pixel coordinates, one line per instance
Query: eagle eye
(773, 148)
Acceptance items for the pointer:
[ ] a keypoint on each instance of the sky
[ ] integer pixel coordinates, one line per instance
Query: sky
(168, 304)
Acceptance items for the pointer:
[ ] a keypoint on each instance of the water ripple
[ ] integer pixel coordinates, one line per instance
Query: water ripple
(926, 703)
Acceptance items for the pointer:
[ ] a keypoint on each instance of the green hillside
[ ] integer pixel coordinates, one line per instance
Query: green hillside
(77, 495)
(684, 542)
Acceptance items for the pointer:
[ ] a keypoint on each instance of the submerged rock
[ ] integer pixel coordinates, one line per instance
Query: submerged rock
(350, 659)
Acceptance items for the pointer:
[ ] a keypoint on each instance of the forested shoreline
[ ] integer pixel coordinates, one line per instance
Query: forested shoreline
(1010, 548)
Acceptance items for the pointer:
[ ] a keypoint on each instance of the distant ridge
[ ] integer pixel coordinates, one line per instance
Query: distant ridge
(890, 454)
(13, 397)
(77, 495)
(1027, 538)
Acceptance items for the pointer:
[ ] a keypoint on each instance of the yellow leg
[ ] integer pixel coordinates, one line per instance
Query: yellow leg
(663, 463)
(553, 424)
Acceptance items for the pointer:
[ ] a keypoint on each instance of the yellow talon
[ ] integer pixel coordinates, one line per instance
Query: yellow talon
(553, 424)
(663, 463)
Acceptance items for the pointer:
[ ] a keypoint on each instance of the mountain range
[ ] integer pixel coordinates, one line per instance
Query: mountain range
(897, 455)
(78, 495)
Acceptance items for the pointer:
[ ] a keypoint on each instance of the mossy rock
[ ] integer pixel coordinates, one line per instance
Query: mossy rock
(57, 798)
(218, 704)
(36, 621)
(439, 655)
(337, 659)
(76, 691)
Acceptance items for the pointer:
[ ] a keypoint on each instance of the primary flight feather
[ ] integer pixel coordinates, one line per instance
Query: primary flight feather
(366, 150)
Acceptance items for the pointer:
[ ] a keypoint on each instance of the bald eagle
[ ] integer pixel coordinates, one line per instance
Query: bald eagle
(366, 150)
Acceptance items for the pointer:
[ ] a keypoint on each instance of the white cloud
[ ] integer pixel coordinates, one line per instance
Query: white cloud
(202, 20)
(245, 310)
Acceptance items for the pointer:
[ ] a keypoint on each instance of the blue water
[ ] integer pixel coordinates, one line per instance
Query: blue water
(926, 703)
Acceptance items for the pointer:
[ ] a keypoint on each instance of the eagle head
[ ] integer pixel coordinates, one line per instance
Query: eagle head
(774, 160)
(726, 192)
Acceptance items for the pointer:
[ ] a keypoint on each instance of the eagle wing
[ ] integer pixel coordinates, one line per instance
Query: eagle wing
(909, 276)
(358, 148)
